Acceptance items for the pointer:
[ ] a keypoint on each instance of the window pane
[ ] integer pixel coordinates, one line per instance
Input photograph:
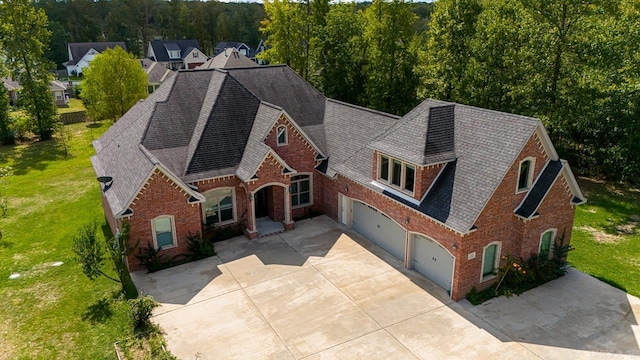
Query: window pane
(163, 225)
(384, 168)
(294, 200)
(409, 178)
(226, 214)
(523, 180)
(226, 203)
(545, 244)
(397, 173)
(164, 239)
(305, 198)
(304, 185)
(294, 188)
(282, 135)
(489, 260)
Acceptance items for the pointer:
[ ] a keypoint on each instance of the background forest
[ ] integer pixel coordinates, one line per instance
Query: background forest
(572, 63)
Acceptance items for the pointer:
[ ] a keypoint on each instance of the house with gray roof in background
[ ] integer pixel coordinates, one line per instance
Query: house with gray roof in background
(176, 54)
(447, 189)
(242, 48)
(81, 54)
(228, 59)
(58, 91)
(156, 73)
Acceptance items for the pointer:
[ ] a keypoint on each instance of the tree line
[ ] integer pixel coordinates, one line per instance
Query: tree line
(574, 64)
(136, 22)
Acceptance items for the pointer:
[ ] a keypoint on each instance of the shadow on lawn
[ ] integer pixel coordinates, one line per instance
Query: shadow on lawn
(33, 156)
(98, 312)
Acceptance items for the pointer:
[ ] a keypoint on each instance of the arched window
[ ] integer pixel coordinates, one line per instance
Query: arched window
(219, 208)
(282, 135)
(490, 260)
(164, 232)
(525, 175)
(545, 250)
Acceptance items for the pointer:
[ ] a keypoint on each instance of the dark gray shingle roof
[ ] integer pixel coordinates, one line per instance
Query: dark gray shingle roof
(228, 60)
(423, 136)
(542, 185)
(78, 50)
(160, 48)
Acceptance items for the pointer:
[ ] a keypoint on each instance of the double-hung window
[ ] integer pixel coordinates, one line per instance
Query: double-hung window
(300, 190)
(163, 232)
(396, 173)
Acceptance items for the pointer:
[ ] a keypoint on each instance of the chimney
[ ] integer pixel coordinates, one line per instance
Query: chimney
(440, 130)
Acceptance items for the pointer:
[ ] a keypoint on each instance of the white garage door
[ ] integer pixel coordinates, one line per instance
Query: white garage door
(378, 228)
(432, 260)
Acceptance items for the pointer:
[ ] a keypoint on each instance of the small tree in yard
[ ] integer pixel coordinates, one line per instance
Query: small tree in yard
(63, 138)
(89, 252)
(113, 84)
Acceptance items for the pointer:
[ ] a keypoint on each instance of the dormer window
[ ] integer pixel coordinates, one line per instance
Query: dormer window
(174, 54)
(396, 173)
(525, 175)
(282, 135)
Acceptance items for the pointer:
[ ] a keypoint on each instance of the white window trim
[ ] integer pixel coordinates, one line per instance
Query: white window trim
(403, 174)
(554, 232)
(496, 263)
(310, 175)
(173, 232)
(233, 203)
(530, 177)
(286, 135)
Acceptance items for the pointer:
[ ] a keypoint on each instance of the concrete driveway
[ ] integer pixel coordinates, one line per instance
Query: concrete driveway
(320, 292)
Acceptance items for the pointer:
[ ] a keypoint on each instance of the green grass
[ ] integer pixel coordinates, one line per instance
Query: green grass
(74, 105)
(601, 250)
(54, 312)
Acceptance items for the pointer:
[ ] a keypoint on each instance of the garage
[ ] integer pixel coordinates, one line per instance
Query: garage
(432, 260)
(378, 228)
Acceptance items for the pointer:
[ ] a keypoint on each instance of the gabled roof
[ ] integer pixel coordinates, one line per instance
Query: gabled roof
(221, 46)
(202, 124)
(79, 50)
(156, 73)
(12, 85)
(161, 47)
(228, 59)
(424, 136)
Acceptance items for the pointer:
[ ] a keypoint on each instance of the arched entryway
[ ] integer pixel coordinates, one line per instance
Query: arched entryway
(271, 208)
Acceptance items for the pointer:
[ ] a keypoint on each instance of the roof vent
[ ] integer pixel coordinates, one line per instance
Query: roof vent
(106, 182)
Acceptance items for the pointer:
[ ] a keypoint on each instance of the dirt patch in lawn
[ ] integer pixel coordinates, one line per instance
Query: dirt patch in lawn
(601, 236)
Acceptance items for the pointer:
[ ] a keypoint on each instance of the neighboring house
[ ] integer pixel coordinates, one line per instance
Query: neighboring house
(228, 59)
(81, 54)
(242, 48)
(156, 74)
(58, 91)
(176, 54)
(447, 189)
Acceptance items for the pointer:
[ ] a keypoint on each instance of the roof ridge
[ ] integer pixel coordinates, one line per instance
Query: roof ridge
(363, 108)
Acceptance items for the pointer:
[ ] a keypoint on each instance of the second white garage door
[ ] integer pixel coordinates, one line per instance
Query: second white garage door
(378, 228)
(431, 260)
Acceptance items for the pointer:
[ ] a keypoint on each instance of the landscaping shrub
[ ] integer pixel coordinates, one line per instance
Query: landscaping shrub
(199, 247)
(214, 234)
(20, 126)
(150, 258)
(517, 275)
(141, 311)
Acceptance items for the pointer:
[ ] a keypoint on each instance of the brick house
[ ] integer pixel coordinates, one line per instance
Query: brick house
(447, 188)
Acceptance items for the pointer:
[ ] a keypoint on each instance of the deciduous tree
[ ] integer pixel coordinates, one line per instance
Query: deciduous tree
(113, 83)
(24, 38)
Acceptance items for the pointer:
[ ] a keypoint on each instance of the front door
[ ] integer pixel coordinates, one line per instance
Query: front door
(262, 203)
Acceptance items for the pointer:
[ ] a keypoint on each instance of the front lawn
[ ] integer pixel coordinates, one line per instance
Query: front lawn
(606, 234)
(54, 312)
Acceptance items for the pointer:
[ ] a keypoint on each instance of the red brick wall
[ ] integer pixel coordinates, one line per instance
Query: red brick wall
(424, 178)
(498, 222)
(556, 212)
(299, 154)
(161, 196)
